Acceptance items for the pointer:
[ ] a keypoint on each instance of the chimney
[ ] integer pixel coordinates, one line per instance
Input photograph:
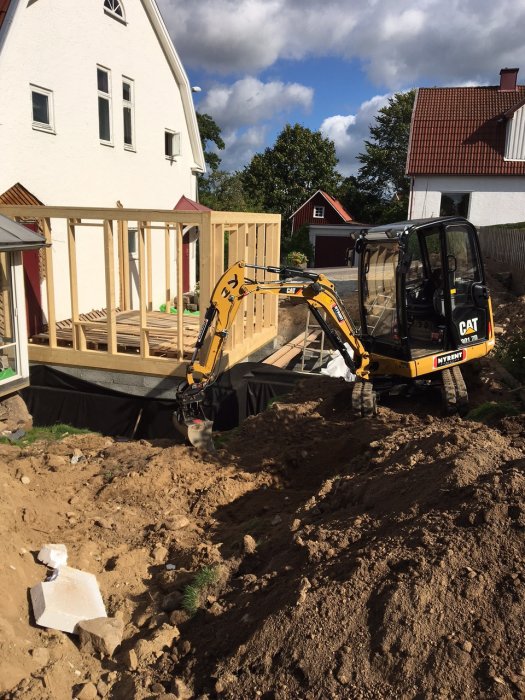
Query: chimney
(507, 79)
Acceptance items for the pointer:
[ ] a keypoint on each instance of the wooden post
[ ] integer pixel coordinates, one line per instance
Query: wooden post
(150, 269)
(206, 249)
(78, 334)
(260, 260)
(144, 339)
(180, 293)
(50, 285)
(109, 269)
(250, 301)
(167, 266)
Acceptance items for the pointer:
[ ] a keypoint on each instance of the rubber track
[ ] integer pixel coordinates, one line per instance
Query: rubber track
(455, 395)
(364, 399)
(461, 390)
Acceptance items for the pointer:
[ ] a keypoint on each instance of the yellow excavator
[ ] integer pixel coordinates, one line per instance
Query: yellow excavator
(424, 310)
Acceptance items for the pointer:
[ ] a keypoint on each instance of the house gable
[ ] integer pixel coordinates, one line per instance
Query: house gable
(320, 209)
(464, 131)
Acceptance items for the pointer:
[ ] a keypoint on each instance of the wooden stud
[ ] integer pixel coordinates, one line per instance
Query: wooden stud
(180, 294)
(144, 340)
(50, 284)
(167, 266)
(109, 269)
(73, 282)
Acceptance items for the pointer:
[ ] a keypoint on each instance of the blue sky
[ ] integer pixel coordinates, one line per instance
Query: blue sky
(331, 65)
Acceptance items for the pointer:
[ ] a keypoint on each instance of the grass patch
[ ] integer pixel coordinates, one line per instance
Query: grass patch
(50, 433)
(492, 411)
(195, 592)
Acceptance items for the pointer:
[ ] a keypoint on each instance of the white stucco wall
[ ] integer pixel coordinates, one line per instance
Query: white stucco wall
(493, 200)
(57, 45)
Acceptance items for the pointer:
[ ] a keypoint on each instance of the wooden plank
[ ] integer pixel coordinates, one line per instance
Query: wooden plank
(45, 226)
(109, 269)
(206, 258)
(259, 300)
(149, 265)
(250, 300)
(286, 353)
(180, 287)
(144, 341)
(73, 281)
(167, 266)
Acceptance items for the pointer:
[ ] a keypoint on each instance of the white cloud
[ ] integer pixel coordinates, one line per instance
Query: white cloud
(445, 41)
(241, 146)
(349, 131)
(249, 101)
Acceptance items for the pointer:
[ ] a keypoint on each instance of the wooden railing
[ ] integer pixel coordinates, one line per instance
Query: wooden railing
(89, 267)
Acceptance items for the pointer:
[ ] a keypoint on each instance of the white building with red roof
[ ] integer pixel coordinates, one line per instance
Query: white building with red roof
(467, 152)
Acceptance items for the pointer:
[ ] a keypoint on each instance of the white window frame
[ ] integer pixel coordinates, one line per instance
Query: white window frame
(129, 104)
(43, 126)
(175, 144)
(111, 8)
(105, 96)
(318, 212)
(18, 320)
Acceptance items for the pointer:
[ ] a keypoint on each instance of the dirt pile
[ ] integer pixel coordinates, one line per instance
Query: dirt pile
(369, 559)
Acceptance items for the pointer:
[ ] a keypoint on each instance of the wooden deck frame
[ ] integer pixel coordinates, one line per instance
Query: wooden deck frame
(245, 236)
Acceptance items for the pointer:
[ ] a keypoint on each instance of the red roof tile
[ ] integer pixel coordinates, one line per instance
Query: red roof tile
(337, 206)
(18, 195)
(461, 131)
(186, 204)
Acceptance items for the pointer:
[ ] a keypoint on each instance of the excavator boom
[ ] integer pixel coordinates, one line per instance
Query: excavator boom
(316, 290)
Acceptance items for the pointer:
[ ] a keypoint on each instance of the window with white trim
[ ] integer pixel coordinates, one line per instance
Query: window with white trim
(42, 109)
(115, 9)
(104, 105)
(318, 212)
(128, 113)
(171, 144)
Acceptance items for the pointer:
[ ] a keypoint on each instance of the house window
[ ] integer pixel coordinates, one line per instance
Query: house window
(318, 212)
(454, 204)
(42, 109)
(104, 105)
(128, 113)
(115, 9)
(9, 322)
(171, 144)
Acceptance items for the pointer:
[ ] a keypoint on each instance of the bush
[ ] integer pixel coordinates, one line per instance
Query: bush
(295, 258)
(511, 353)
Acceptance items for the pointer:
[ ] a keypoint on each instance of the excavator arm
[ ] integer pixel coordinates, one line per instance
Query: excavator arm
(316, 290)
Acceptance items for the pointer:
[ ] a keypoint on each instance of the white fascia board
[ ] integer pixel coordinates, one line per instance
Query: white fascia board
(177, 68)
(304, 203)
(8, 19)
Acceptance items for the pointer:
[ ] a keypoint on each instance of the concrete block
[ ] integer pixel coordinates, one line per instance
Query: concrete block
(102, 635)
(72, 597)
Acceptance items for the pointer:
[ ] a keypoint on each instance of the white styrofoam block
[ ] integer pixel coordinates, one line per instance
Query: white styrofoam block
(72, 597)
(54, 555)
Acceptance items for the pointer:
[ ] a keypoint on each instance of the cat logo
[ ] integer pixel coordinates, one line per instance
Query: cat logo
(469, 326)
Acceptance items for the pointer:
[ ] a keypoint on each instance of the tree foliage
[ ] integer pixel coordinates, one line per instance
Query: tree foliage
(284, 176)
(223, 191)
(381, 180)
(210, 131)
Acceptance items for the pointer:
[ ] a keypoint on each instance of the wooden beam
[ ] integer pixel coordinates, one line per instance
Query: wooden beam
(167, 266)
(109, 269)
(149, 259)
(144, 340)
(73, 282)
(180, 294)
(50, 284)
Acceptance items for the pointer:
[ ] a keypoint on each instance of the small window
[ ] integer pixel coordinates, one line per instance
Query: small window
(319, 212)
(115, 9)
(42, 109)
(104, 105)
(128, 113)
(171, 144)
(455, 204)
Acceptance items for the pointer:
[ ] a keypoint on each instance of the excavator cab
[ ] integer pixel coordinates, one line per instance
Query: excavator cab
(423, 298)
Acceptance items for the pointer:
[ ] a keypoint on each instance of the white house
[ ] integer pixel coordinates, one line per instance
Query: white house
(467, 152)
(96, 109)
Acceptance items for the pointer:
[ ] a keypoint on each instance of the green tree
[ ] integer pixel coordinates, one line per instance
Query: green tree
(223, 191)
(285, 175)
(381, 177)
(210, 131)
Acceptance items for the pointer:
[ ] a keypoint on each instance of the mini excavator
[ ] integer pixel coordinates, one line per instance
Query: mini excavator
(424, 308)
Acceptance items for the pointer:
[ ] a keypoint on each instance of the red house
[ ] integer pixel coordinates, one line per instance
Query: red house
(330, 227)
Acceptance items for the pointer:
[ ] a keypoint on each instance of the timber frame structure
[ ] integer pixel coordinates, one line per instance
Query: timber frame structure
(130, 335)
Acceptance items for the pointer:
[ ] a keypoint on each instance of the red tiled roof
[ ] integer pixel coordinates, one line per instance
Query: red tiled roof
(337, 206)
(18, 195)
(461, 131)
(186, 204)
(4, 6)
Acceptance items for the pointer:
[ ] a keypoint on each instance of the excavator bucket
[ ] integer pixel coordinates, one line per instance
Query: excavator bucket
(198, 432)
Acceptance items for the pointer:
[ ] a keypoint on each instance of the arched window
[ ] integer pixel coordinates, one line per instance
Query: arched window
(115, 8)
